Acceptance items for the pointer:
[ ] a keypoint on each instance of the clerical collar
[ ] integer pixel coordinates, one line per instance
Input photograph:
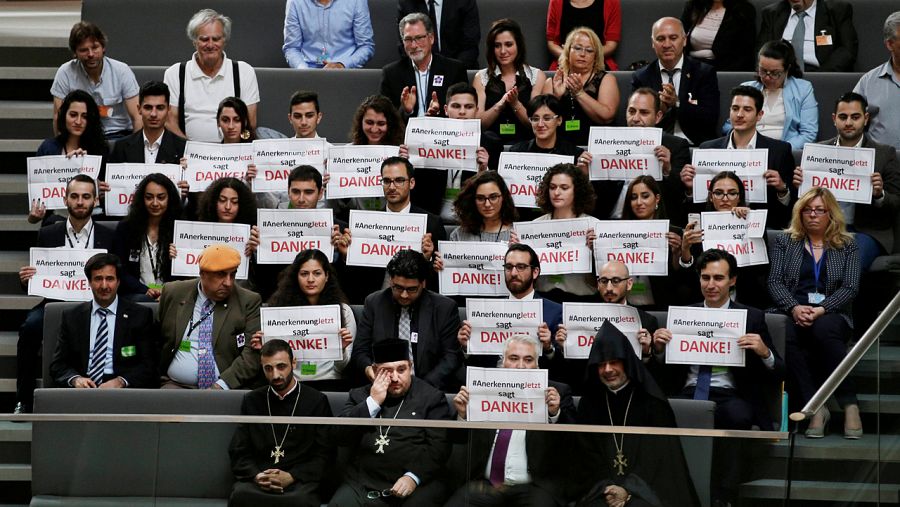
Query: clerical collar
(623, 386)
(280, 397)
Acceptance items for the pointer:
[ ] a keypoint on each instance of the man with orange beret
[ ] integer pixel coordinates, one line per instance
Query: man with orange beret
(206, 326)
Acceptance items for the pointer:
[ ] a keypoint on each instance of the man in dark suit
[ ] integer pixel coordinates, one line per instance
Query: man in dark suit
(689, 94)
(78, 231)
(403, 464)
(458, 28)
(829, 43)
(427, 321)
(529, 454)
(743, 395)
(417, 84)
(107, 342)
(746, 110)
(154, 143)
(206, 326)
(873, 223)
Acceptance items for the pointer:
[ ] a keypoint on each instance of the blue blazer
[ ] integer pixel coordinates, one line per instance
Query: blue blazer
(801, 112)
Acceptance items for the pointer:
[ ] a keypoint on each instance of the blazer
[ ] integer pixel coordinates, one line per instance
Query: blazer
(801, 112)
(842, 273)
(833, 17)
(54, 235)
(878, 218)
(733, 47)
(434, 317)
(134, 350)
(460, 33)
(781, 159)
(131, 149)
(239, 315)
(397, 75)
(698, 96)
(131, 277)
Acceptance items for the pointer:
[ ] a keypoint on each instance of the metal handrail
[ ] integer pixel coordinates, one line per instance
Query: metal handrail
(849, 362)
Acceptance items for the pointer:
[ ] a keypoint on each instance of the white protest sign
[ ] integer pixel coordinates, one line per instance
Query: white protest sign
(641, 244)
(59, 273)
(356, 170)
(560, 244)
(705, 336)
(495, 320)
(123, 179)
(47, 176)
(748, 165)
(523, 173)
(583, 320)
(311, 331)
(740, 237)
(506, 394)
(283, 233)
(378, 235)
(192, 237)
(275, 158)
(472, 268)
(847, 172)
(624, 153)
(207, 162)
(442, 143)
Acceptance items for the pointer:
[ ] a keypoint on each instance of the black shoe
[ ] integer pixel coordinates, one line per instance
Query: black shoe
(21, 408)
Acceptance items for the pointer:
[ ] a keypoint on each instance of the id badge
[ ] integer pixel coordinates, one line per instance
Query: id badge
(437, 81)
(308, 369)
(507, 129)
(128, 351)
(413, 337)
(815, 298)
(155, 286)
(573, 125)
(134, 256)
(639, 288)
(824, 40)
(241, 340)
(184, 346)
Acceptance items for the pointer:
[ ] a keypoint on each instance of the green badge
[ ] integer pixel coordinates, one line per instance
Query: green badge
(639, 288)
(555, 278)
(184, 346)
(508, 129)
(128, 351)
(308, 369)
(155, 286)
(451, 193)
(720, 369)
(573, 125)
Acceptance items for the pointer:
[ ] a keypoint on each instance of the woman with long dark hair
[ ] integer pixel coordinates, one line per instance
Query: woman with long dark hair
(377, 121)
(485, 209)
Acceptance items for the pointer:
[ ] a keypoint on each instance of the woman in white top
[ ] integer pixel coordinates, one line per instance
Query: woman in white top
(717, 33)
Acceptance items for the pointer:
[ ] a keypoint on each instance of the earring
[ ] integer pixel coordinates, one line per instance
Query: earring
(245, 134)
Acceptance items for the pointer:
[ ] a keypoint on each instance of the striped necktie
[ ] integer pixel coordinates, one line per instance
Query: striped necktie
(98, 354)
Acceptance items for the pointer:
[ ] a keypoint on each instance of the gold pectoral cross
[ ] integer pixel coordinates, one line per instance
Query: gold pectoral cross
(381, 441)
(620, 462)
(277, 454)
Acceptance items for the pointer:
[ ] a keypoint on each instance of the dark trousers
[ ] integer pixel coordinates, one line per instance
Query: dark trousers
(353, 494)
(482, 494)
(812, 354)
(28, 350)
(248, 494)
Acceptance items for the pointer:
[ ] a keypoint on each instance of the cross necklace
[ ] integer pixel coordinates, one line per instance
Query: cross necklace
(278, 453)
(382, 439)
(619, 462)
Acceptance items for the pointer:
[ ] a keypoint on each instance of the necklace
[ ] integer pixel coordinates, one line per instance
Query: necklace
(620, 461)
(278, 453)
(382, 439)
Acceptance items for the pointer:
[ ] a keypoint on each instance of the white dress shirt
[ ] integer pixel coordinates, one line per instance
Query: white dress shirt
(185, 365)
(809, 43)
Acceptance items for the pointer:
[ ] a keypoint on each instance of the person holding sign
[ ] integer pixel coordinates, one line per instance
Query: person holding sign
(144, 236)
(871, 223)
(388, 463)
(107, 342)
(284, 470)
(311, 280)
(78, 231)
(588, 95)
(745, 113)
(622, 469)
(545, 114)
(517, 467)
(304, 115)
(485, 210)
(425, 320)
(813, 280)
(153, 144)
(230, 201)
(193, 354)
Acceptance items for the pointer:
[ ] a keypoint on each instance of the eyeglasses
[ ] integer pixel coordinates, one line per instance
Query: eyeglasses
(546, 119)
(493, 198)
(582, 49)
(375, 495)
(615, 280)
(813, 212)
(394, 181)
(773, 74)
(517, 267)
(718, 194)
(399, 289)
(414, 40)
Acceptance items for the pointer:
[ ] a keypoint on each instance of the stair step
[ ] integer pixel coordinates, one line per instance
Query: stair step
(823, 491)
(47, 73)
(25, 109)
(8, 340)
(13, 184)
(7, 385)
(15, 473)
(20, 145)
(11, 261)
(11, 302)
(15, 431)
(834, 447)
(17, 222)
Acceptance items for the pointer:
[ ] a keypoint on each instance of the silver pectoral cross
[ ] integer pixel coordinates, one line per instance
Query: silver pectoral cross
(277, 454)
(619, 462)
(381, 441)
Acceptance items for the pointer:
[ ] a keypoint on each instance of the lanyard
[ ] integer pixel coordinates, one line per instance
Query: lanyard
(192, 326)
(422, 91)
(77, 243)
(817, 265)
(153, 266)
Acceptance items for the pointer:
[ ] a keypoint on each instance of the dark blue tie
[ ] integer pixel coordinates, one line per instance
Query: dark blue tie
(701, 391)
